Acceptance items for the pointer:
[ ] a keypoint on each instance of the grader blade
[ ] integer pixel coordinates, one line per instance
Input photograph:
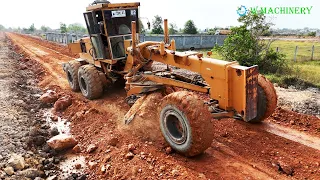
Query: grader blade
(144, 108)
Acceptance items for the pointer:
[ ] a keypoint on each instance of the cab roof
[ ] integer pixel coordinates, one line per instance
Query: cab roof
(113, 6)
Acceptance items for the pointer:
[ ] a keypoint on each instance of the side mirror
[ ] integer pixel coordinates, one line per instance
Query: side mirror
(148, 25)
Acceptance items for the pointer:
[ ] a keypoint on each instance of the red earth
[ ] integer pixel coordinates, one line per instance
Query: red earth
(285, 146)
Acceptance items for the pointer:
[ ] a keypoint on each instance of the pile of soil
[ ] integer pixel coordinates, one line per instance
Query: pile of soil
(296, 120)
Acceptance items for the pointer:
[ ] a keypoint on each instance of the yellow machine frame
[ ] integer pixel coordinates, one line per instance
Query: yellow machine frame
(234, 87)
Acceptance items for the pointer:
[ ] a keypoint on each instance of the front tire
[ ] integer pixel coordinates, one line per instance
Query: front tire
(185, 123)
(90, 82)
(71, 69)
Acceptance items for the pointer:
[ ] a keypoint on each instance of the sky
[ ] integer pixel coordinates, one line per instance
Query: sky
(205, 13)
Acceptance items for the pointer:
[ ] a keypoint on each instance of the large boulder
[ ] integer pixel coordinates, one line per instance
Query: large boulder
(62, 103)
(62, 142)
(49, 97)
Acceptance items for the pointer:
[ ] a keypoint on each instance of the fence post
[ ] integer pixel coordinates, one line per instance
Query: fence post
(201, 41)
(295, 54)
(66, 38)
(184, 42)
(277, 49)
(312, 52)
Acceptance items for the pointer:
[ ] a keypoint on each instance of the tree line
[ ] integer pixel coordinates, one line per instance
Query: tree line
(157, 27)
(64, 28)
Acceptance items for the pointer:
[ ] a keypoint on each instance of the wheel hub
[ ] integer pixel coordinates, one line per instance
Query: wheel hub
(175, 127)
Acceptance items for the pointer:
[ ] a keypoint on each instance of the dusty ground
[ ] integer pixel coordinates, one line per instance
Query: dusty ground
(271, 150)
(22, 130)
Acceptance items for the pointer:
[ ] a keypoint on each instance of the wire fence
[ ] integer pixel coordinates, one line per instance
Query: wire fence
(300, 53)
(183, 41)
(64, 38)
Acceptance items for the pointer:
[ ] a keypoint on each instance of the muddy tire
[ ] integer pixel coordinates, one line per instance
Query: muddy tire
(71, 69)
(185, 123)
(90, 82)
(267, 99)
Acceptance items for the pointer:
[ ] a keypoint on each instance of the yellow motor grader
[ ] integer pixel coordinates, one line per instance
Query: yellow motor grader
(113, 52)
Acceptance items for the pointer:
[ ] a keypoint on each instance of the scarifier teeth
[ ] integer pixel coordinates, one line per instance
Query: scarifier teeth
(128, 120)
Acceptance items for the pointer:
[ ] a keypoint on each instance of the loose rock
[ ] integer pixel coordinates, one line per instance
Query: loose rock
(17, 162)
(113, 141)
(31, 173)
(283, 167)
(54, 131)
(168, 150)
(103, 169)
(92, 165)
(39, 140)
(49, 97)
(91, 148)
(61, 142)
(162, 168)
(9, 170)
(62, 103)
(131, 147)
(76, 149)
(175, 172)
(129, 156)
(78, 166)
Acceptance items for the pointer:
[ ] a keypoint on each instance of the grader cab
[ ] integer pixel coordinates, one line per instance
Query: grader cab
(113, 52)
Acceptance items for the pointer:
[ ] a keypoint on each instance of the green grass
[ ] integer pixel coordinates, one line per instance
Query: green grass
(304, 49)
(303, 73)
(308, 71)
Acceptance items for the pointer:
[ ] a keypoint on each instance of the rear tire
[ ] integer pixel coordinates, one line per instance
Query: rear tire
(185, 123)
(71, 69)
(90, 82)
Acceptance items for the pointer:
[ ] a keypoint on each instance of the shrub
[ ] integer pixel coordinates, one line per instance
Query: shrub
(246, 46)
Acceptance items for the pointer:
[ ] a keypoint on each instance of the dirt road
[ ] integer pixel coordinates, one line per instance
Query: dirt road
(22, 130)
(271, 150)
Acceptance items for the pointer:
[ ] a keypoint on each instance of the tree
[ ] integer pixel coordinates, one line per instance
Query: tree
(63, 27)
(44, 28)
(76, 28)
(173, 28)
(246, 46)
(190, 28)
(32, 28)
(2, 27)
(212, 31)
(157, 25)
(312, 34)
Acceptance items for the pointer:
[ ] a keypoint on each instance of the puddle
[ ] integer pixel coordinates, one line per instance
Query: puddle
(293, 135)
(67, 166)
(62, 125)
